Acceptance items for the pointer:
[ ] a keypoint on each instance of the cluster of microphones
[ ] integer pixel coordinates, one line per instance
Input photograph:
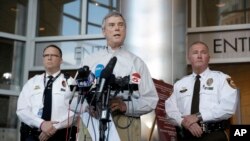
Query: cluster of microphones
(91, 85)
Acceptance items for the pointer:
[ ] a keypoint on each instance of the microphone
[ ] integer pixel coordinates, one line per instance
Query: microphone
(135, 78)
(83, 72)
(98, 71)
(134, 82)
(106, 74)
(85, 79)
(129, 82)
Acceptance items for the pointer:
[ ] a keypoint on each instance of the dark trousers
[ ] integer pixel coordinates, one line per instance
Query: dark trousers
(213, 136)
(32, 134)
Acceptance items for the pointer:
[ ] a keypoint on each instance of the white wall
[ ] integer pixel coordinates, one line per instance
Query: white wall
(156, 31)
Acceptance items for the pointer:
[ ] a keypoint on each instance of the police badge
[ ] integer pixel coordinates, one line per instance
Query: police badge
(63, 83)
(210, 81)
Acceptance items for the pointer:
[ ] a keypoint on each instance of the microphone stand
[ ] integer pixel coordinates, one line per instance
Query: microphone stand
(80, 99)
(105, 113)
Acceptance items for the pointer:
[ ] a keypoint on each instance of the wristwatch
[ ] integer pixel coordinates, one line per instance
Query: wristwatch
(198, 115)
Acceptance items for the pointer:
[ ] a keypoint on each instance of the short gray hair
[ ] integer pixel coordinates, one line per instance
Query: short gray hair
(112, 14)
(198, 42)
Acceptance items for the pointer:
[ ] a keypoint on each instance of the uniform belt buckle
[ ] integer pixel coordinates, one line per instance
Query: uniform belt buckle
(213, 126)
(205, 128)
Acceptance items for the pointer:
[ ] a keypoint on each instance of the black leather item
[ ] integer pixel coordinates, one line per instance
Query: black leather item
(209, 127)
(28, 133)
(196, 96)
(47, 100)
(32, 134)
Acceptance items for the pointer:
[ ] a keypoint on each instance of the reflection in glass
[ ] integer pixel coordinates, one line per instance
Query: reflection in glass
(221, 12)
(13, 16)
(97, 9)
(73, 51)
(11, 55)
(58, 17)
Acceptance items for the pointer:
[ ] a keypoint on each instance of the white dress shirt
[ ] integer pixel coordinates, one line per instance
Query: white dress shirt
(218, 100)
(30, 101)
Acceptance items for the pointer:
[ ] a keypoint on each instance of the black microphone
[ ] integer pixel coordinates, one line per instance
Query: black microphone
(81, 73)
(106, 74)
(84, 79)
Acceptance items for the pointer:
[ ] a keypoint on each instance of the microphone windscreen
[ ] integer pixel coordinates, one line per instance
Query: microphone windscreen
(135, 78)
(83, 72)
(108, 70)
(98, 70)
(86, 81)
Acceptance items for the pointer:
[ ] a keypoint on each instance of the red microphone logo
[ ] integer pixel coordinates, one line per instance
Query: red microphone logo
(136, 78)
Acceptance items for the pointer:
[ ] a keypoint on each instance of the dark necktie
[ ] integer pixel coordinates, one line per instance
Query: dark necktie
(47, 100)
(196, 96)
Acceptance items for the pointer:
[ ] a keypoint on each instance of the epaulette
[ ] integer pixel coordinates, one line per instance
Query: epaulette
(231, 82)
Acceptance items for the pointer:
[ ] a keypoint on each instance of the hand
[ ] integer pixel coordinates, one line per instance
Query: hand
(92, 111)
(195, 129)
(48, 128)
(43, 137)
(189, 120)
(118, 104)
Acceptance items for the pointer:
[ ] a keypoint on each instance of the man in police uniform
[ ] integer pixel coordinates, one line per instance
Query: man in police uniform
(126, 108)
(31, 102)
(217, 100)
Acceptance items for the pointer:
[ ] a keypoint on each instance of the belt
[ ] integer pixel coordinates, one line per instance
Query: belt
(27, 130)
(35, 132)
(209, 127)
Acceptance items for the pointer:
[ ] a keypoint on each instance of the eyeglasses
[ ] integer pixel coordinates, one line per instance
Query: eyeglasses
(50, 55)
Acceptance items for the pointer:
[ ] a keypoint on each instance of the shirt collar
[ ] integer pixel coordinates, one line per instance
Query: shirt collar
(112, 51)
(54, 75)
(203, 74)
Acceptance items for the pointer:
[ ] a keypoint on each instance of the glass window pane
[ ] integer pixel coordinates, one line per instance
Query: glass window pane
(8, 118)
(11, 55)
(189, 13)
(71, 27)
(96, 12)
(106, 2)
(73, 51)
(13, 16)
(222, 12)
(94, 29)
(58, 18)
(115, 3)
(112, 3)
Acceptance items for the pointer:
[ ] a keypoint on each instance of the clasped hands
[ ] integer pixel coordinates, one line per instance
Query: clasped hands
(115, 104)
(190, 122)
(48, 130)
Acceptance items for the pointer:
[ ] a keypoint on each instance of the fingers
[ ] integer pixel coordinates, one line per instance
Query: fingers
(189, 120)
(195, 129)
(91, 110)
(43, 137)
(48, 128)
(118, 104)
(114, 106)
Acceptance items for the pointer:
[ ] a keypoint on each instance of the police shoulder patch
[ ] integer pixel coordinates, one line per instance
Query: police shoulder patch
(231, 83)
